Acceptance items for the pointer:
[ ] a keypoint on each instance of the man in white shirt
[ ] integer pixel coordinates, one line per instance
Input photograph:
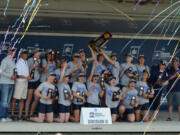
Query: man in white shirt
(21, 84)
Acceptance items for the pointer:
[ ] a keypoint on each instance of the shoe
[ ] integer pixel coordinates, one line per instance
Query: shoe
(3, 120)
(19, 119)
(14, 118)
(26, 118)
(169, 119)
(9, 119)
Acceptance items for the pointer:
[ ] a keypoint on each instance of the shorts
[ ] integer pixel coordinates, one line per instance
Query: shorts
(64, 109)
(78, 107)
(143, 107)
(92, 105)
(129, 111)
(20, 91)
(173, 98)
(44, 108)
(33, 85)
(114, 111)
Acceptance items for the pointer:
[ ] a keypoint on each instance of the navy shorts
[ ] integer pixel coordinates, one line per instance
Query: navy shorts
(129, 111)
(33, 85)
(43, 108)
(78, 107)
(143, 107)
(64, 109)
(114, 111)
(92, 105)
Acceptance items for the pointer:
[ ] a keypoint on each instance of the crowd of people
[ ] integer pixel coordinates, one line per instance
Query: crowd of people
(127, 89)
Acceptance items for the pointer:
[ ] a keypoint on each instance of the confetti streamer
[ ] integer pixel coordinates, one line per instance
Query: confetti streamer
(177, 20)
(4, 42)
(154, 9)
(173, 35)
(19, 53)
(158, 39)
(24, 9)
(137, 4)
(146, 25)
(155, 115)
(31, 19)
(31, 7)
(158, 26)
(19, 25)
(170, 24)
(15, 42)
(117, 10)
(7, 5)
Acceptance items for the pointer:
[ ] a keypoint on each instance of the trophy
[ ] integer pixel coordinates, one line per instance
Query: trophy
(114, 98)
(135, 73)
(85, 63)
(50, 93)
(119, 91)
(149, 91)
(15, 73)
(67, 94)
(56, 93)
(82, 94)
(141, 91)
(36, 60)
(102, 84)
(133, 100)
(99, 42)
(32, 74)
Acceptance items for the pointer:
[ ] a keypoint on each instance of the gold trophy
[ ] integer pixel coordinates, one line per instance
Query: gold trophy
(15, 73)
(67, 94)
(133, 100)
(114, 98)
(49, 93)
(99, 42)
(141, 91)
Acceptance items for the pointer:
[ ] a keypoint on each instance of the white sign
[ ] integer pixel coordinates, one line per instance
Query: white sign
(95, 116)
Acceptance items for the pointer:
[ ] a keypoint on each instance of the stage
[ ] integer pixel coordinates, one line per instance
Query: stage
(161, 125)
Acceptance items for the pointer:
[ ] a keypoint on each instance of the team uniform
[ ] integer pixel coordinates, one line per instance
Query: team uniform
(70, 67)
(124, 78)
(155, 73)
(113, 105)
(64, 104)
(143, 102)
(115, 69)
(140, 70)
(45, 105)
(127, 100)
(51, 69)
(93, 100)
(99, 68)
(174, 95)
(34, 83)
(78, 88)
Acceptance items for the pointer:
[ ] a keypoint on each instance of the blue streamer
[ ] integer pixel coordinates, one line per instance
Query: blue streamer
(7, 5)
(122, 50)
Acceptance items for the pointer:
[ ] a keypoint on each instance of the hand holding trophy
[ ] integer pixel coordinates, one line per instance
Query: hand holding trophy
(99, 42)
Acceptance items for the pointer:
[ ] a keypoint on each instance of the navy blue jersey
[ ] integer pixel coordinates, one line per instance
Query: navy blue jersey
(155, 74)
(176, 87)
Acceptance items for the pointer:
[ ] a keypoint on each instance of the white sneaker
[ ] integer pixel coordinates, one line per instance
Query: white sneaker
(8, 120)
(3, 120)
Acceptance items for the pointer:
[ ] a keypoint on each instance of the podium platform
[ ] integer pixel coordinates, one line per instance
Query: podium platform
(159, 126)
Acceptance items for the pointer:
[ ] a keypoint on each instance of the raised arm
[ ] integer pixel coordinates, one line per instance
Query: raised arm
(92, 71)
(107, 57)
(63, 71)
